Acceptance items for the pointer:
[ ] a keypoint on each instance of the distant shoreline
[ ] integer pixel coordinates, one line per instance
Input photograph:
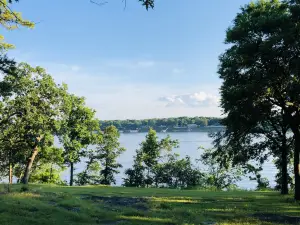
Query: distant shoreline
(182, 130)
(167, 125)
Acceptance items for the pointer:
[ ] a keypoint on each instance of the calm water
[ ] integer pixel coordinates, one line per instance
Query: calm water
(189, 143)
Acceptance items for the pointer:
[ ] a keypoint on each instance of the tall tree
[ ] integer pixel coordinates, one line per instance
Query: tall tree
(34, 104)
(107, 152)
(79, 129)
(260, 70)
(151, 149)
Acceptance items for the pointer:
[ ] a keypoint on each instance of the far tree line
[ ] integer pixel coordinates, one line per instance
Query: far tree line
(160, 124)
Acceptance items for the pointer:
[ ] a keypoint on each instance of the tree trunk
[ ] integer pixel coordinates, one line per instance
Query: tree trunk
(284, 171)
(148, 178)
(71, 173)
(105, 173)
(296, 164)
(29, 165)
(105, 181)
(10, 173)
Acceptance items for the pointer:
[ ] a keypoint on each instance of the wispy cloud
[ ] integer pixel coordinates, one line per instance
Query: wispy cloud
(198, 99)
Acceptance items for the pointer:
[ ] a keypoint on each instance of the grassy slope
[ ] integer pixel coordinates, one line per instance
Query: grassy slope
(76, 205)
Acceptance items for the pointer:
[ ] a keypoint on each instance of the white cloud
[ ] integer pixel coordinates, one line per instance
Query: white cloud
(198, 99)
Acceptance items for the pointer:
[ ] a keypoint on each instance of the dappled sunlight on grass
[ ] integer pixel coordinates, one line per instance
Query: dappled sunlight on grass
(218, 210)
(23, 195)
(233, 199)
(174, 200)
(150, 219)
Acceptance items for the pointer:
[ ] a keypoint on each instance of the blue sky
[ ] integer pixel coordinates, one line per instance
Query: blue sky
(130, 63)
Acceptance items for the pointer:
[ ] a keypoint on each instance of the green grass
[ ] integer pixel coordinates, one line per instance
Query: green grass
(45, 204)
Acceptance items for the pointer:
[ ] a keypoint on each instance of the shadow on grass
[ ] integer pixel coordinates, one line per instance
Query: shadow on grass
(147, 220)
(137, 203)
(269, 208)
(118, 206)
(172, 210)
(275, 218)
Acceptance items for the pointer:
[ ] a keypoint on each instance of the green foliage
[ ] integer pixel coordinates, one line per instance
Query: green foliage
(34, 109)
(219, 177)
(154, 164)
(47, 173)
(48, 167)
(78, 130)
(91, 174)
(262, 182)
(102, 165)
(260, 76)
(107, 152)
(178, 173)
(135, 175)
(152, 151)
(10, 20)
(30, 114)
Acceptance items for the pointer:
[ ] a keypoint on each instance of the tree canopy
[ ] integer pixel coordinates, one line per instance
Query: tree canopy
(31, 110)
(260, 72)
(79, 129)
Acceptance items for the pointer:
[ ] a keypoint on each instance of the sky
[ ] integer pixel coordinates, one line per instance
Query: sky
(130, 63)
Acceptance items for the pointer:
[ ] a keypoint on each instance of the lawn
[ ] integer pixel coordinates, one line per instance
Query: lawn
(45, 204)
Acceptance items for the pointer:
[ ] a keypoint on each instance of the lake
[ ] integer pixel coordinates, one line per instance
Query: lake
(189, 142)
